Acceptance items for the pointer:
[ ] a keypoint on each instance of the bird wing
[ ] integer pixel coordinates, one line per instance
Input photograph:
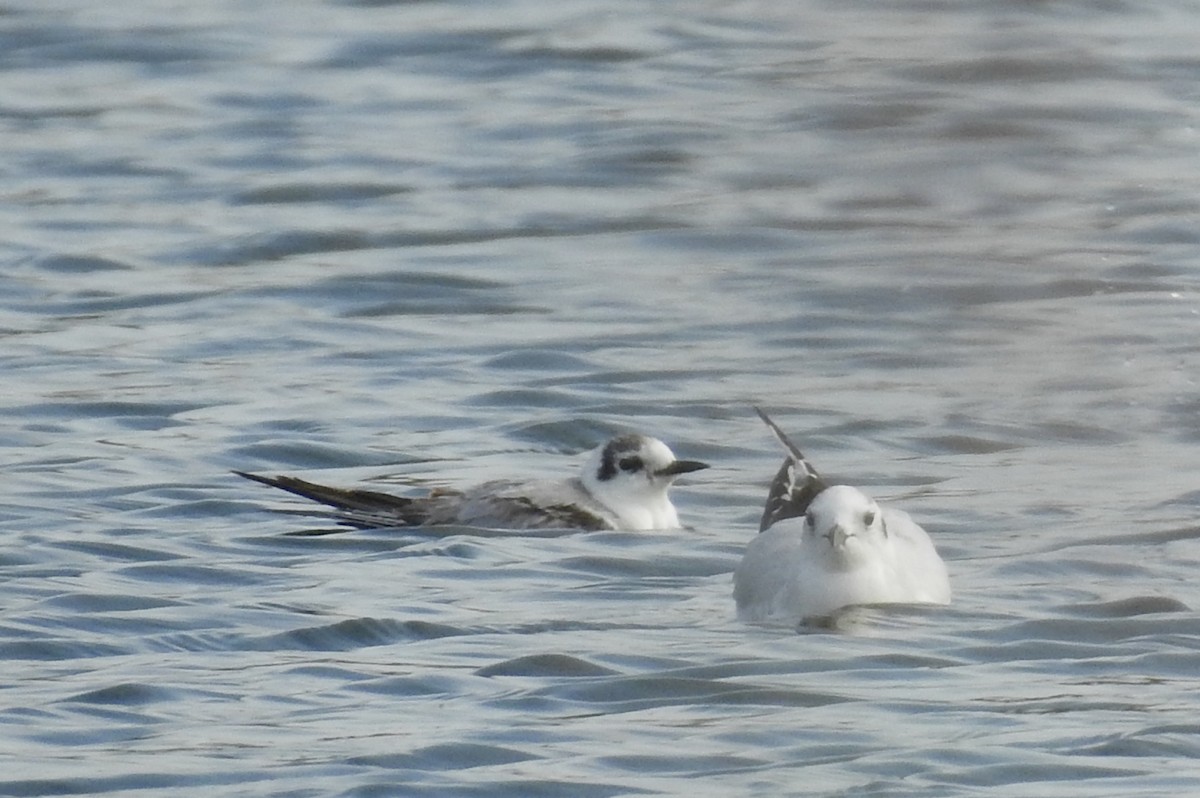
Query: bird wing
(915, 559)
(766, 575)
(499, 504)
(795, 485)
(532, 505)
(365, 509)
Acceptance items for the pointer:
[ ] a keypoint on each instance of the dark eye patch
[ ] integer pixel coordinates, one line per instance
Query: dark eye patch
(868, 517)
(630, 464)
(615, 454)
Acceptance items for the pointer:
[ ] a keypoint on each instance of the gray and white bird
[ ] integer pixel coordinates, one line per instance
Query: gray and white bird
(623, 485)
(823, 547)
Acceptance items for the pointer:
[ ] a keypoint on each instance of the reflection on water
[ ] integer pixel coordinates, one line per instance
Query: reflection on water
(409, 245)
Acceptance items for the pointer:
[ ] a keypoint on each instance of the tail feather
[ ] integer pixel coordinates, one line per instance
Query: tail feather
(363, 508)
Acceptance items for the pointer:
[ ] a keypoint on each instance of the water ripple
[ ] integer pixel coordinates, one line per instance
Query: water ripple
(409, 246)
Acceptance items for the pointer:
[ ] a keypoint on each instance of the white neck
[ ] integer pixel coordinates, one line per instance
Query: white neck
(656, 514)
(641, 511)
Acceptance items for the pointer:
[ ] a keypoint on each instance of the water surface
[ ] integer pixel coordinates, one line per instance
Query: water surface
(950, 247)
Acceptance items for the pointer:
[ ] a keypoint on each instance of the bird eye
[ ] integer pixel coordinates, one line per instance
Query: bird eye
(808, 519)
(630, 464)
(868, 517)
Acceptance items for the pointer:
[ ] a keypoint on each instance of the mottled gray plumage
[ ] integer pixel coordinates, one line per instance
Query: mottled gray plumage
(795, 485)
(623, 486)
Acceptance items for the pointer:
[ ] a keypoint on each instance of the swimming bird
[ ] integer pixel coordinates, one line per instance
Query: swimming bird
(823, 547)
(623, 485)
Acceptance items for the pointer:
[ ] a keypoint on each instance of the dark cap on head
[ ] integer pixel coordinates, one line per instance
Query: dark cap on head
(609, 457)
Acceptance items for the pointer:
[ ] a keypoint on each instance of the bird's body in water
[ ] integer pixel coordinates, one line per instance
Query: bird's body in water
(623, 485)
(822, 547)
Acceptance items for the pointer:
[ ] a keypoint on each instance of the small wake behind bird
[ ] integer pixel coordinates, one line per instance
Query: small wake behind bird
(823, 547)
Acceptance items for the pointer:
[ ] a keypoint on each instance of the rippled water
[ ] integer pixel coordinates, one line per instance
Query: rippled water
(950, 246)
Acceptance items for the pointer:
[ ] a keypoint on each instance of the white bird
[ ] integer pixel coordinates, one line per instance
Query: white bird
(623, 485)
(823, 547)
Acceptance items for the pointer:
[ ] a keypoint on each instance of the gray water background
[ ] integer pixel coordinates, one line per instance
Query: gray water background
(952, 247)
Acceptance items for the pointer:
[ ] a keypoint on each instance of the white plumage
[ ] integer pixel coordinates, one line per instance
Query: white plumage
(623, 485)
(821, 548)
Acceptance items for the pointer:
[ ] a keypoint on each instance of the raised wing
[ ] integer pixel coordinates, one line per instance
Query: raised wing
(795, 485)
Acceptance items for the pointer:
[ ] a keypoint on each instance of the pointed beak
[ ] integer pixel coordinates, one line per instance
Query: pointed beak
(681, 467)
(837, 536)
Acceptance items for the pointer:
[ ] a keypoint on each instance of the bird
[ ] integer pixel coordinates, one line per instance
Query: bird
(822, 547)
(622, 485)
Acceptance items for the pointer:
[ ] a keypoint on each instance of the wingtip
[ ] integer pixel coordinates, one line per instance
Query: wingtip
(273, 482)
(780, 435)
(766, 419)
(794, 454)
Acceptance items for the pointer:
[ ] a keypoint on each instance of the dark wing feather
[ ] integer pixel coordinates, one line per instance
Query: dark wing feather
(366, 509)
(489, 506)
(527, 505)
(795, 485)
(521, 513)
